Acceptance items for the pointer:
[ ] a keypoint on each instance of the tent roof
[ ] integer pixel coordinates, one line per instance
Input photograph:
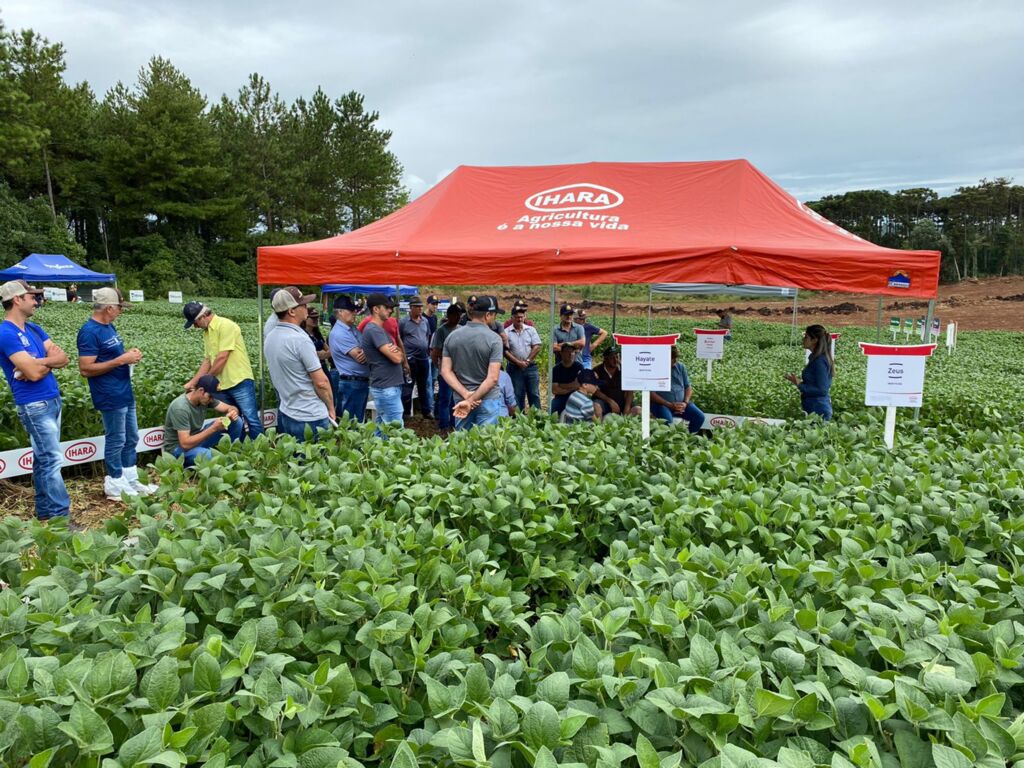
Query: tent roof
(707, 289)
(53, 268)
(387, 290)
(595, 223)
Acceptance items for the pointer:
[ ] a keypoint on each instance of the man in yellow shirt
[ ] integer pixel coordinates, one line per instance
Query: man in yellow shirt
(225, 357)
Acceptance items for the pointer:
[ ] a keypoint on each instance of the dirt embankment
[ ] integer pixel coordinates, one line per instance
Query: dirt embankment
(988, 304)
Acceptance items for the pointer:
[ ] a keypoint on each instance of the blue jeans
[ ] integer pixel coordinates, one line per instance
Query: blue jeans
(558, 403)
(297, 429)
(121, 428)
(243, 397)
(693, 416)
(819, 405)
(526, 384)
(351, 398)
(486, 413)
(587, 360)
(388, 401)
(444, 405)
(204, 449)
(42, 422)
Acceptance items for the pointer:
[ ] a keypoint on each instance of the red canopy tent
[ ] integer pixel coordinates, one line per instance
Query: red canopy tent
(721, 222)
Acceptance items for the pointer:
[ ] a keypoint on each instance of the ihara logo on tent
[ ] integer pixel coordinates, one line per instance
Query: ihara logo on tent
(574, 197)
(899, 280)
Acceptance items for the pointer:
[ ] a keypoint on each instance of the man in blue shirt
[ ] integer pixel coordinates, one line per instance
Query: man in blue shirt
(345, 342)
(676, 403)
(105, 364)
(28, 358)
(593, 337)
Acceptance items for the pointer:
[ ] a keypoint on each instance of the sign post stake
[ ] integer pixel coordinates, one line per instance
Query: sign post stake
(645, 414)
(890, 426)
(710, 363)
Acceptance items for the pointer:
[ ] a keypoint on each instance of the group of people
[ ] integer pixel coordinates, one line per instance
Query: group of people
(482, 370)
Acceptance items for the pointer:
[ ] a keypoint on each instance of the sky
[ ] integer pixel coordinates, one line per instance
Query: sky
(824, 97)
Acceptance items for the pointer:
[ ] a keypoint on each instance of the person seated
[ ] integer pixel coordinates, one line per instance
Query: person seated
(610, 398)
(184, 434)
(580, 406)
(563, 377)
(677, 403)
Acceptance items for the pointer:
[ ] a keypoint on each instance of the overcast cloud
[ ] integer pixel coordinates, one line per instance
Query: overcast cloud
(823, 97)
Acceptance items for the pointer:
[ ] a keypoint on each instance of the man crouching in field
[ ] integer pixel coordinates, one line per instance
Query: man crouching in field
(184, 434)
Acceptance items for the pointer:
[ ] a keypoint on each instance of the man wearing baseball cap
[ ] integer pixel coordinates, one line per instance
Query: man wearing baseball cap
(303, 389)
(346, 344)
(384, 358)
(28, 357)
(225, 356)
(471, 362)
(430, 312)
(184, 434)
(568, 333)
(415, 333)
(105, 364)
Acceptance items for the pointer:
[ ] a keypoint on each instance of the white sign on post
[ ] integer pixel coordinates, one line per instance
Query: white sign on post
(136, 296)
(710, 345)
(174, 297)
(895, 379)
(647, 367)
(950, 336)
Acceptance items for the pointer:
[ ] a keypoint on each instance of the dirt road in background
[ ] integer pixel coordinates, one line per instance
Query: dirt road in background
(989, 304)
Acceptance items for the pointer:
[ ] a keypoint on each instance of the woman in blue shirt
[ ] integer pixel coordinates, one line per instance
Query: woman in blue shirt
(816, 380)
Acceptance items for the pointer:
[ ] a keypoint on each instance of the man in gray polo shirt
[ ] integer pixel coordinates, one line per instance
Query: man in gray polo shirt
(302, 386)
(568, 333)
(471, 362)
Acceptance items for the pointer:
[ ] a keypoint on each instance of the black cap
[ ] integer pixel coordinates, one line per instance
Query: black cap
(415, 301)
(432, 299)
(566, 347)
(567, 309)
(587, 376)
(346, 303)
(519, 306)
(612, 349)
(208, 383)
(486, 304)
(455, 309)
(379, 300)
(192, 312)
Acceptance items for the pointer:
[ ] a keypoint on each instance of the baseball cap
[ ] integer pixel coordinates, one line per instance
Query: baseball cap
(289, 298)
(455, 309)
(346, 303)
(566, 309)
(587, 376)
(192, 312)
(378, 300)
(415, 301)
(14, 288)
(581, 312)
(611, 350)
(566, 347)
(487, 304)
(432, 299)
(208, 383)
(109, 296)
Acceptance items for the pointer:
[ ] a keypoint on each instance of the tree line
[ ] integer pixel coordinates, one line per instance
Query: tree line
(168, 190)
(979, 229)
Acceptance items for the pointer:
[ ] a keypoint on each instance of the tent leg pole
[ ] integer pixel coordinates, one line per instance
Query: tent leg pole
(650, 302)
(792, 333)
(551, 351)
(615, 305)
(878, 325)
(259, 320)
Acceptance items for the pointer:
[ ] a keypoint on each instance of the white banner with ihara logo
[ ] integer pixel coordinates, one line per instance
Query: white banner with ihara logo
(89, 449)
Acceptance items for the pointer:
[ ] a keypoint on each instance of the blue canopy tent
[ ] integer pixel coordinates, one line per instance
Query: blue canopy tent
(387, 290)
(53, 268)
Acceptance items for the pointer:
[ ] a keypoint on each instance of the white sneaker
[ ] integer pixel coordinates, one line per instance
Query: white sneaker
(131, 474)
(115, 488)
